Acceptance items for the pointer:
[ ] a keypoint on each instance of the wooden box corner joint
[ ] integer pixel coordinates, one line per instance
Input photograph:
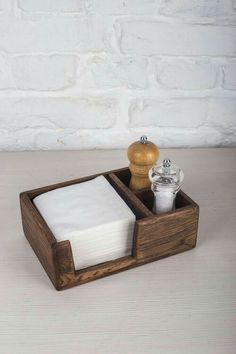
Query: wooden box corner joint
(155, 236)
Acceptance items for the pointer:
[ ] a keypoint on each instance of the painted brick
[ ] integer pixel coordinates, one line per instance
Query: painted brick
(56, 34)
(84, 139)
(124, 7)
(205, 8)
(113, 72)
(57, 113)
(156, 38)
(37, 72)
(197, 137)
(6, 78)
(18, 140)
(222, 112)
(191, 74)
(43, 72)
(5, 9)
(229, 81)
(52, 5)
(187, 113)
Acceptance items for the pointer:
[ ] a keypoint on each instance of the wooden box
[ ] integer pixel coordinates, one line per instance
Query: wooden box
(155, 237)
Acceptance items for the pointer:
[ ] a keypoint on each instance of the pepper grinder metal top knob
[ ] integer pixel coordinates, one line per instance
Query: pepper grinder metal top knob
(143, 139)
(142, 154)
(166, 179)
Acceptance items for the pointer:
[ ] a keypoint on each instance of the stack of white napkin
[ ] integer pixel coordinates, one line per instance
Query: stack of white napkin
(93, 217)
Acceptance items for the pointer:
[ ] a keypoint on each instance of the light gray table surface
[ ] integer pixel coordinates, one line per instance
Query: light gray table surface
(181, 304)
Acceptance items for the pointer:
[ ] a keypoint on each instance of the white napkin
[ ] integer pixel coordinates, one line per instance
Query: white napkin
(93, 217)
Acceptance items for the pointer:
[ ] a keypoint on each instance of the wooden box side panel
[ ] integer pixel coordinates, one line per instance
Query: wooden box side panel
(69, 279)
(66, 273)
(167, 234)
(39, 236)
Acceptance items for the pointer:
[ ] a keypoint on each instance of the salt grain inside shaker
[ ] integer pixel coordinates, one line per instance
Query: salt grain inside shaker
(165, 179)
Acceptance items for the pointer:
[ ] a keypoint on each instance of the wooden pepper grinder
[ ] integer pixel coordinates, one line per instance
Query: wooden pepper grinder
(142, 154)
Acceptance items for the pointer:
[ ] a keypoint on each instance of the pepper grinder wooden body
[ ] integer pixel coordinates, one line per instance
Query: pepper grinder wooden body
(142, 154)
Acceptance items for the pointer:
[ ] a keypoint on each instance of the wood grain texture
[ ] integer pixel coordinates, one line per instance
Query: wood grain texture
(39, 236)
(155, 237)
(168, 233)
(142, 154)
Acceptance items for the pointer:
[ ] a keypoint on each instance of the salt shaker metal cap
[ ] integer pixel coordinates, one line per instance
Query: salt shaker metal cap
(166, 174)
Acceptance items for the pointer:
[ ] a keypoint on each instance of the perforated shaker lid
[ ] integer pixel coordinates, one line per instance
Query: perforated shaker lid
(166, 174)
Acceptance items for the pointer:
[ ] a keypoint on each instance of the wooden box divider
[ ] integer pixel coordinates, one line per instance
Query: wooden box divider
(135, 204)
(155, 236)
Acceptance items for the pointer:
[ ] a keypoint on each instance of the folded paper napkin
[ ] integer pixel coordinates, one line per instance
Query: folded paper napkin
(93, 217)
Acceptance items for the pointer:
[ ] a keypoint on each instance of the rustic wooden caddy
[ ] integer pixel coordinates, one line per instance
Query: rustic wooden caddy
(155, 237)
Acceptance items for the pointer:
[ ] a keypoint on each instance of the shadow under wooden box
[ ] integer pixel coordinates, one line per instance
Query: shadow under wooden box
(155, 236)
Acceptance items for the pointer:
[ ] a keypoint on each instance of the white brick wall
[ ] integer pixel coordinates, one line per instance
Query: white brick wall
(112, 72)
(176, 39)
(57, 113)
(179, 113)
(127, 7)
(229, 81)
(52, 5)
(186, 74)
(99, 73)
(197, 8)
(38, 72)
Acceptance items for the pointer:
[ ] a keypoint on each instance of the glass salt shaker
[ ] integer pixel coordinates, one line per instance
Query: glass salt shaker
(165, 184)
